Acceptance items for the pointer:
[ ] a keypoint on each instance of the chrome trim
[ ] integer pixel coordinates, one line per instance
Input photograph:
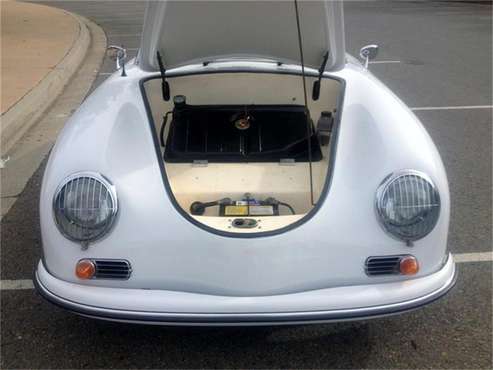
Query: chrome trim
(111, 191)
(381, 190)
(243, 319)
(100, 275)
(392, 267)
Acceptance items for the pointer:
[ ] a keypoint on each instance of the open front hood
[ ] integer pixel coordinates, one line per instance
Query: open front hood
(202, 31)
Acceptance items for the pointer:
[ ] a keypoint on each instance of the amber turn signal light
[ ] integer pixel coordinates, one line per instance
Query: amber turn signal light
(85, 269)
(408, 265)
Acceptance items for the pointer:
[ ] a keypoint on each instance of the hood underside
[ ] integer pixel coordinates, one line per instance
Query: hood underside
(186, 32)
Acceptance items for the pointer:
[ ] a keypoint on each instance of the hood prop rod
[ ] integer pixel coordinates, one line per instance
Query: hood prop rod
(307, 112)
(164, 83)
(316, 84)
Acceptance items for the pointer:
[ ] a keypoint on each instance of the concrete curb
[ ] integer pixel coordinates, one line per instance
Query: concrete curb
(22, 116)
(31, 149)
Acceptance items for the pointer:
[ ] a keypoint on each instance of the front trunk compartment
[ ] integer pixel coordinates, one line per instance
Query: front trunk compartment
(240, 152)
(240, 133)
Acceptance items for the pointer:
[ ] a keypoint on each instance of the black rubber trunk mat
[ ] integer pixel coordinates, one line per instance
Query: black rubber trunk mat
(234, 133)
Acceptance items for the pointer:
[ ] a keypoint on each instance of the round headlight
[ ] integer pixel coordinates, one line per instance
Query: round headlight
(408, 205)
(85, 206)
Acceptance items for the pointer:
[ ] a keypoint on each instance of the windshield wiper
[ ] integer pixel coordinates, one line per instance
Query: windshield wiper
(164, 83)
(316, 84)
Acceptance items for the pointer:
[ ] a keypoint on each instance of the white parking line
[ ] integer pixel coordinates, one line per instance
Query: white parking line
(123, 35)
(384, 61)
(456, 107)
(136, 20)
(473, 257)
(27, 284)
(16, 284)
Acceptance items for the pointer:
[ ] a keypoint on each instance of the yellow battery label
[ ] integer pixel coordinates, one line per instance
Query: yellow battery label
(236, 211)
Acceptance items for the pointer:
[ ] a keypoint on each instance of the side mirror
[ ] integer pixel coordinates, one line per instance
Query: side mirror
(368, 53)
(118, 55)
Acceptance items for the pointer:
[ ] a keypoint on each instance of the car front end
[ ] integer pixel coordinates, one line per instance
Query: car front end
(119, 242)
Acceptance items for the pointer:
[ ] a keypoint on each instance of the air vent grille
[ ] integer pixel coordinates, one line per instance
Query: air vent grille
(112, 269)
(382, 265)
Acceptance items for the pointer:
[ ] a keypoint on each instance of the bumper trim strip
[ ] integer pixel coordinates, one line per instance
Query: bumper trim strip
(243, 319)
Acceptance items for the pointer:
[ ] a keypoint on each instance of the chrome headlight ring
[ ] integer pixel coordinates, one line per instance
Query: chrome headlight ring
(85, 206)
(408, 205)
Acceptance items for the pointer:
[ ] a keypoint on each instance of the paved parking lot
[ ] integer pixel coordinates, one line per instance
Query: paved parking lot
(437, 57)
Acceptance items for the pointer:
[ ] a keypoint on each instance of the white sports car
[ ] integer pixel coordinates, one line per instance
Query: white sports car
(243, 170)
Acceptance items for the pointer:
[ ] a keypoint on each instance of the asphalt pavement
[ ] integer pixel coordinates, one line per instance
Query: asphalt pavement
(434, 54)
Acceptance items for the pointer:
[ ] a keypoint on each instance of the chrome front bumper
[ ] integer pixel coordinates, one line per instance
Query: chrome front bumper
(180, 308)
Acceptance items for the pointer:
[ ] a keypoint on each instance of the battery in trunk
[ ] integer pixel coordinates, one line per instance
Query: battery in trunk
(246, 208)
